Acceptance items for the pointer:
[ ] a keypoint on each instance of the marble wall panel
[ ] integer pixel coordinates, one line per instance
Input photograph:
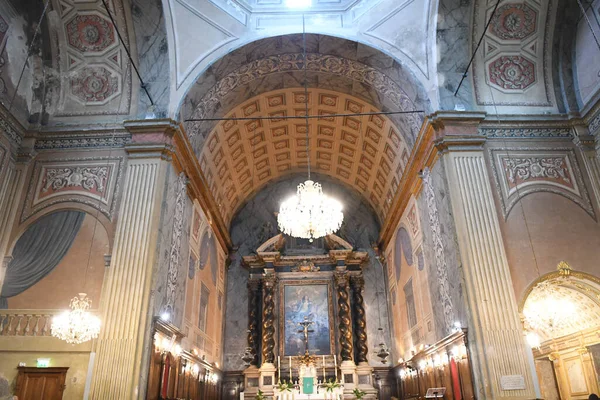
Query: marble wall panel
(152, 53)
(450, 249)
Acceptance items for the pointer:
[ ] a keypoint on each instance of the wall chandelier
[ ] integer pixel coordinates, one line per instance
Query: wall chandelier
(309, 214)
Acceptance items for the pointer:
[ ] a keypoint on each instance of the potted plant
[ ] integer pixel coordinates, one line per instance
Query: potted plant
(331, 385)
(260, 395)
(359, 394)
(285, 386)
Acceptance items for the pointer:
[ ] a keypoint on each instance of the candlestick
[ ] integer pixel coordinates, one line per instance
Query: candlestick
(323, 368)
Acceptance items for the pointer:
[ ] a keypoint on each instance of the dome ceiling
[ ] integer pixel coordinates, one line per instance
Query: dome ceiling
(240, 157)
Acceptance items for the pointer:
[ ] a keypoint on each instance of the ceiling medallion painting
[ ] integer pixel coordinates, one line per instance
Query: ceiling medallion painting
(366, 153)
(514, 22)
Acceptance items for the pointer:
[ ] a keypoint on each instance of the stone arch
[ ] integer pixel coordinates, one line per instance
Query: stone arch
(578, 287)
(277, 63)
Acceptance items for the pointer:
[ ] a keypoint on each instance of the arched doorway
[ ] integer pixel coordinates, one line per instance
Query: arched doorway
(561, 311)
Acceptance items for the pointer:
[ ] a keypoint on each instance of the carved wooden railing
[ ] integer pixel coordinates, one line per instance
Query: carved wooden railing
(26, 322)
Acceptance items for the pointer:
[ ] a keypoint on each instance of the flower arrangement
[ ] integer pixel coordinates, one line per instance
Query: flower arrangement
(260, 395)
(331, 385)
(285, 386)
(359, 394)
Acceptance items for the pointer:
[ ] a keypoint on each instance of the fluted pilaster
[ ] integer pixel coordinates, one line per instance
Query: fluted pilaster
(125, 315)
(497, 346)
(268, 319)
(11, 186)
(344, 317)
(253, 317)
(357, 283)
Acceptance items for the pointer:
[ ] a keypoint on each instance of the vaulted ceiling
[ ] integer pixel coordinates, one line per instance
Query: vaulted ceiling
(367, 152)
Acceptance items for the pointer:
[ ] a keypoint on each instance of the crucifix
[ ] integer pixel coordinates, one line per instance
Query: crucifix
(305, 325)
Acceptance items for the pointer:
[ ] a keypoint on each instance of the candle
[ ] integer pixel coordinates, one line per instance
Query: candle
(279, 368)
(335, 366)
(323, 369)
(290, 368)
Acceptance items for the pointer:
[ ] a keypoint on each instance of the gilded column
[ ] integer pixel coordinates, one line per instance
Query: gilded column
(345, 323)
(253, 318)
(497, 346)
(268, 319)
(357, 284)
(126, 314)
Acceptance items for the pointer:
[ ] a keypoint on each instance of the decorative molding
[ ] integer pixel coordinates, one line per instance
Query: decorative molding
(440, 256)
(594, 124)
(519, 171)
(506, 132)
(10, 132)
(294, 62)
(92, 181)
(175, 253)
(50, 142)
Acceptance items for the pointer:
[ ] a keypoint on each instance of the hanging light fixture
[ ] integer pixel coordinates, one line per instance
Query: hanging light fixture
(77, 325)
(309, 214)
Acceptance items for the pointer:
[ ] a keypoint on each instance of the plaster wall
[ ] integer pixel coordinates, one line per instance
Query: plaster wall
(546, 228)
(587, 57)
(66, 280)
(14, 350)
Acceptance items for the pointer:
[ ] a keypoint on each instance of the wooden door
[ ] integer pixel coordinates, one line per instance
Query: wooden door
(41, 383)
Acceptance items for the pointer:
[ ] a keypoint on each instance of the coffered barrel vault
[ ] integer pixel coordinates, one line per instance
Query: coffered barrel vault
(366, 152)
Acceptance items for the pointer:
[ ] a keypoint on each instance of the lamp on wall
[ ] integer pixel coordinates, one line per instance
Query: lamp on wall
(309, 214)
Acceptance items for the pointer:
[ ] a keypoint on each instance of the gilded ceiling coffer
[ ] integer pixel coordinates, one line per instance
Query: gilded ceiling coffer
(357, 283)
(345, 323)
(268, 327)
(253, 314)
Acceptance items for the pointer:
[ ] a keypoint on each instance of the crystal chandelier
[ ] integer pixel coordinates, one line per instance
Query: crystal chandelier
(77, 325)
(310, 214)
(547, 309)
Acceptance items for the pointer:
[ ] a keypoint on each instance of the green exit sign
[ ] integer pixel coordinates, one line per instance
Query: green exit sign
(43, 362)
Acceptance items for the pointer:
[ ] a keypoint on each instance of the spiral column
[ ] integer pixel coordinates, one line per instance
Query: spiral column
(253, 317)
(268, 319)
(357, 283)
(344, 317)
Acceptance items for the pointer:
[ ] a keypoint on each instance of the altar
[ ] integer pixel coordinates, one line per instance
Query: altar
(303, 305)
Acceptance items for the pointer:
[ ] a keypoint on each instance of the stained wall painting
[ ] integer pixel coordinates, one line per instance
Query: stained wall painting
(311, 302)
(410, 302)
(203, 324)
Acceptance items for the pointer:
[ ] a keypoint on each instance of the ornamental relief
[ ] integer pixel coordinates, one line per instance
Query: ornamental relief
(92, 181)
(551, 169)
(522, 171)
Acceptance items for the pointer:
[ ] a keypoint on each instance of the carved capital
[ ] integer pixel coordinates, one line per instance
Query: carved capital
(357, 282)
(341, 278)
(269, 281)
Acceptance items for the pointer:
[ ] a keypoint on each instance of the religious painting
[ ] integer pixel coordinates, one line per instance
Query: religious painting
(306, 301)
(196, 223)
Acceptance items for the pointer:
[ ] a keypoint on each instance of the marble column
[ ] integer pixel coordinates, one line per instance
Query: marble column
(357, 283)
(497, 344)
(253, 318)
(124, 341)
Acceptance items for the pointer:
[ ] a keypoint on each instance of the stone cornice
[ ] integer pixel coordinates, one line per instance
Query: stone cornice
(166, 138)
